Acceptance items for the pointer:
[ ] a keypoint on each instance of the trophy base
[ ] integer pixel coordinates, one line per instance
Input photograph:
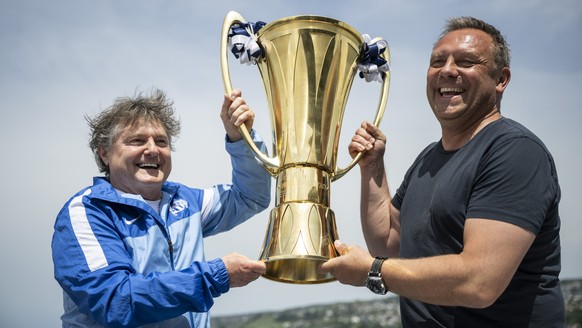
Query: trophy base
(298, 241)
(297, 270)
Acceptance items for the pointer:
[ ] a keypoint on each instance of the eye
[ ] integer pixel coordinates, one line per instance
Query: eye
(466, 63)
(162, 142)
(437, 62)
(136, 141)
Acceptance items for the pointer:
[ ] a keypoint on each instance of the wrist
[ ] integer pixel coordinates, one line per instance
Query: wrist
(375, 280)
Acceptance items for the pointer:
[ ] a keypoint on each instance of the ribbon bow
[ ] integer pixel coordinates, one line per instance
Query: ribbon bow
(242, 41)
(371, 65)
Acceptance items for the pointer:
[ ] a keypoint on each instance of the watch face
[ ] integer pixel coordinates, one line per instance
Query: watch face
(376, 285)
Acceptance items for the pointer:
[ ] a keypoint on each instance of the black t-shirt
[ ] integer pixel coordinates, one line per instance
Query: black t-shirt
(504, 173)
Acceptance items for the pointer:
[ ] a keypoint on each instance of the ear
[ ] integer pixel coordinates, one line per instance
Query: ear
(503, 79)
(104, 155)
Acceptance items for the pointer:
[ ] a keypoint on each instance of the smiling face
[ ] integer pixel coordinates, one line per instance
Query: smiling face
(139, 160)
(463, 84)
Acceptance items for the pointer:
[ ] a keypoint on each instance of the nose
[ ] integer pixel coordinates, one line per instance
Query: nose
(151, 148)
(449, 68)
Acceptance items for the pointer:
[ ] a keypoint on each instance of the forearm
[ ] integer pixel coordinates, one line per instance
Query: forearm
(122, 299)
(375, 209)
(247, 175)
(449, 280)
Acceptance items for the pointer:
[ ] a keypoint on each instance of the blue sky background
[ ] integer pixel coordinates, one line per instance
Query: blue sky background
(60, 60)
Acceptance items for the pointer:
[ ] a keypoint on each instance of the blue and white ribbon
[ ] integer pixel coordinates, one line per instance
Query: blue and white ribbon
(242, 40)
(371, 65)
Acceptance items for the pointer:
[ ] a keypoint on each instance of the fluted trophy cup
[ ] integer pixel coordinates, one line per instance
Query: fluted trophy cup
(307, 64)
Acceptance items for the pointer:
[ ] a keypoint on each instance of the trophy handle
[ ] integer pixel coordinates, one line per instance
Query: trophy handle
(271, 164)
(339, 172)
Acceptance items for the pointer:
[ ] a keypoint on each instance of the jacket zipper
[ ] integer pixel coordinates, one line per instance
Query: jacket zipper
(171, 248)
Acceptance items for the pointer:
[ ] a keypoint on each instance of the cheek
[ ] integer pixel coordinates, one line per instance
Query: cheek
(431, 80)
(118, 163)
(123, 158)
(168, 160)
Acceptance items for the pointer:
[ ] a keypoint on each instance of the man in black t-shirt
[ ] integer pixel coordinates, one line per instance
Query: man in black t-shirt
(471, 237)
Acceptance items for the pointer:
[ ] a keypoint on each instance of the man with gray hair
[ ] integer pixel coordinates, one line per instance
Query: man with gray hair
(128, 250)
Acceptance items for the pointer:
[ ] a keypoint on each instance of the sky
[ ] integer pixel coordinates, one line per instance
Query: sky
(64, 59)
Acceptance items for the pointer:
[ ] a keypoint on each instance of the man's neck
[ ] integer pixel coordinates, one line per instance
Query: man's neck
(453, 140)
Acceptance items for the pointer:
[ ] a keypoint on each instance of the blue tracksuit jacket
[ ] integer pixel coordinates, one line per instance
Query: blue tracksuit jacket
(120, 264)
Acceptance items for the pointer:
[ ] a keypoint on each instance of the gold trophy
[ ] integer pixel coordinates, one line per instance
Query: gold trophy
(308, 64)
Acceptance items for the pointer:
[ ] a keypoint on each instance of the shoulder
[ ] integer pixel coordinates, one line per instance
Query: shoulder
(515, 140)
(507, 129)
(427, 151)
(100, 186)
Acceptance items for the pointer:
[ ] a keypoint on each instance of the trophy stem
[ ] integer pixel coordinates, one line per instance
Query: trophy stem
(301, 228)
(303, 184)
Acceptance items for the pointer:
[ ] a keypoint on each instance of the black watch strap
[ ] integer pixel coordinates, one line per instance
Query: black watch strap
(377, 265)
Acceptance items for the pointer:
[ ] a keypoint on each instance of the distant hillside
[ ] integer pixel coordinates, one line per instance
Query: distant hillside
(382, 313)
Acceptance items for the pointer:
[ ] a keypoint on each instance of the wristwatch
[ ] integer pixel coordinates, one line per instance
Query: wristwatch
(374, 281)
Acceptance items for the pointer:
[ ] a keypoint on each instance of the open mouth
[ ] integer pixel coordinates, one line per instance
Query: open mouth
(148, 166)
(450, 92)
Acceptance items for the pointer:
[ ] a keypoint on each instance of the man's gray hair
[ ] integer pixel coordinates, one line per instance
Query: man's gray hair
(131, 112)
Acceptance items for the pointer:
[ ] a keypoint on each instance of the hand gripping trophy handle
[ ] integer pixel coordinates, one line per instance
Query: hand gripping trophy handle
(271, 164)
(307, 65)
